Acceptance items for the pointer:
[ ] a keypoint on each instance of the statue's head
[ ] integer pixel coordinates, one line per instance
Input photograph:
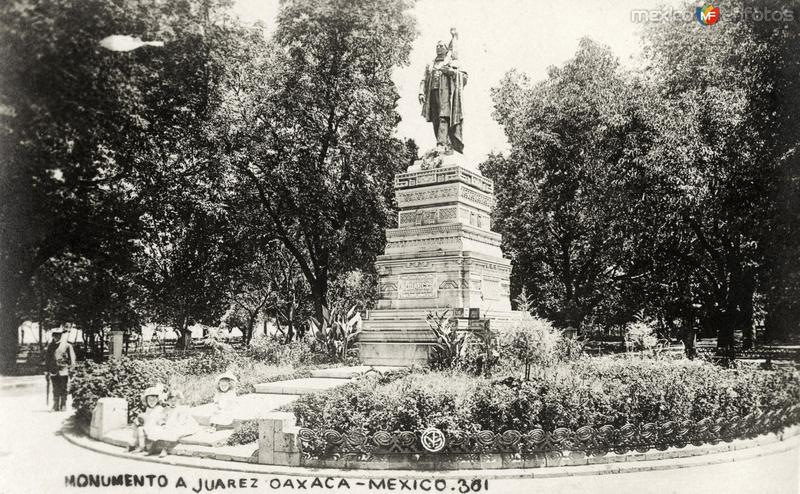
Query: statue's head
(441, 49)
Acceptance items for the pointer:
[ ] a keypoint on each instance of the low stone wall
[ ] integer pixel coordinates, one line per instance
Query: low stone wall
(277, 440)
(280, 444)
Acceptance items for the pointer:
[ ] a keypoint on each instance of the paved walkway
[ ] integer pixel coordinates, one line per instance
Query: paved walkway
(35, 458)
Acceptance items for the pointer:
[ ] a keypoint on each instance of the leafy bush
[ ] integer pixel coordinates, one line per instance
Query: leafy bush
(336, 333)
(194, 377)
(246, 433)
(125, 378)
(641, 337)
(480, 357)
(535, 344)
(451, 345)
(210, 362)
(353, 289)
(267, 349)
(589, 391)
(408, 403)
(297, 352)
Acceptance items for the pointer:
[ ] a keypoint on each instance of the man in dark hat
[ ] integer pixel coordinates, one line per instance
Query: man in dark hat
(59, 359)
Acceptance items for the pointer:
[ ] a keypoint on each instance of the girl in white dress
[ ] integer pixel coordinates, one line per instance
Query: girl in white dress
(225, 400)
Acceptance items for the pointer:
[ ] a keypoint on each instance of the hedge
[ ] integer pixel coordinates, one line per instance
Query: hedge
(194, 376)
(125, 378)
(588, 392)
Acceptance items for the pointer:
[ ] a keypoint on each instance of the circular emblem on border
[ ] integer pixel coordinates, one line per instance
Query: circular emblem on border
(432, 440)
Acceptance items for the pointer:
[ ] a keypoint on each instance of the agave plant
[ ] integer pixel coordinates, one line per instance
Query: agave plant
(450, 346)
(337, 332)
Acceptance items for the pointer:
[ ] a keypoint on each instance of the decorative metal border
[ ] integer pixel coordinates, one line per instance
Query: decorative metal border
(593, 441)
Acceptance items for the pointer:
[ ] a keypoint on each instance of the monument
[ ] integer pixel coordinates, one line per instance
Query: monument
(443, 254)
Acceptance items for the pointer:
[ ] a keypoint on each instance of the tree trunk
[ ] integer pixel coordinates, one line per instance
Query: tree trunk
(319, 289)
(185, 336)
(248, 335)
(9, 325)
(744, 295)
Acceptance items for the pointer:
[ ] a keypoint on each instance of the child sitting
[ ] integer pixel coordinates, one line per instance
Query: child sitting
(225, 400)
(151, 419)
(162, 427)
(180, 422)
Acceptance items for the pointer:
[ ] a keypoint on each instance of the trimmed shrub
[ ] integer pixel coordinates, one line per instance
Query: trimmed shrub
(210, 362)
(125, 378)
(298, 352)
(590, 391)
(246, 433)
(534, 345)
(195, 377)
(411, 402)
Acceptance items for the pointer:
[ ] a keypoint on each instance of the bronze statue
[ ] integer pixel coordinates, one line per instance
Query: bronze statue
(440, 96)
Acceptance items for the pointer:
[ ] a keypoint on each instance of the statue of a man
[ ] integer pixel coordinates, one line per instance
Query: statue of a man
(440, 96)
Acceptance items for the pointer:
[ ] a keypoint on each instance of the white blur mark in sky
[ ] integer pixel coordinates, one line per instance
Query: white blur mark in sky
(494, 37)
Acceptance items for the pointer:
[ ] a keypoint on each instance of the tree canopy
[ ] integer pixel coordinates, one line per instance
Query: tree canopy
(660, 188)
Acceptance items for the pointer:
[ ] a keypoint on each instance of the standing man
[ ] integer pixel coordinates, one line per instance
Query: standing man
(440, 96)
(59, 359)
(689, 325)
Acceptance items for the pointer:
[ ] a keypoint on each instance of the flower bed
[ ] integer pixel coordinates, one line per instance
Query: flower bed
(593, 404)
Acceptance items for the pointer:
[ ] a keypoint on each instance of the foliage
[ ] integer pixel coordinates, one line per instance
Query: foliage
(195, 377)
(354, 288)
(209, 362)
(335, 334)
(594, 392)
(567, 191)
(108, 168)
(408, 403)
(269, 286)
(245, 433)
(312, 135)
(721, 172)
(450, 347)
(535, 343)
(214, 341)
(482, 353)
(125, 378)
(620, 193)
(641, 336)
(271, 350)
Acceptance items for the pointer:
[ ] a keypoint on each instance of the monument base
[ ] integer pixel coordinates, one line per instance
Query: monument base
(402, 337)
(442, 255)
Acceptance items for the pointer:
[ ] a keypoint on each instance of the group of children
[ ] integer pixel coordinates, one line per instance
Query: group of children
(165, 420)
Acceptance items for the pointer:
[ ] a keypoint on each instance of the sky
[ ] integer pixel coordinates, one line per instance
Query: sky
(495, 36)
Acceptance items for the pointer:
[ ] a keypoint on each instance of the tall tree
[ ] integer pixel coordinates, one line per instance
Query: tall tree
(727, 133)
(569, 188)
(314, 140)
(89, 135)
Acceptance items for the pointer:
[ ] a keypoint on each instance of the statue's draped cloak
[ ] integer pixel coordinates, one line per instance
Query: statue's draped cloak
(450, 88)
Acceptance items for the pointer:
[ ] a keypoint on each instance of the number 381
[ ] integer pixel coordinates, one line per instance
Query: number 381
(474, 485)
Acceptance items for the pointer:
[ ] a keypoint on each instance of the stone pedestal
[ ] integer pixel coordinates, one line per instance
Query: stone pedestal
(109, 414)
(115, 342)
(443, 255)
